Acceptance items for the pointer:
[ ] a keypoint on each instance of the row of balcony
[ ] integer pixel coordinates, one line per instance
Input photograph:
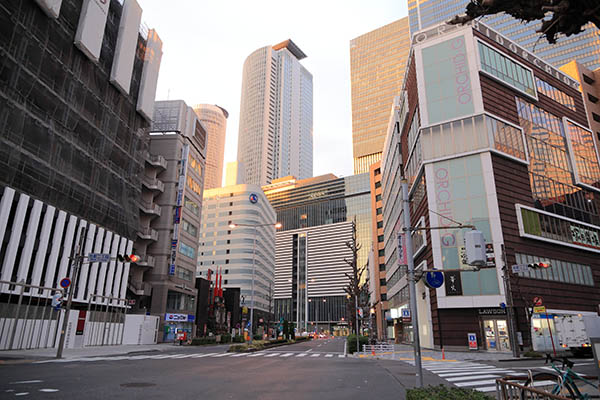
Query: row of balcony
(148, 234)
(153, 184)
(150, 208)
(156, 160)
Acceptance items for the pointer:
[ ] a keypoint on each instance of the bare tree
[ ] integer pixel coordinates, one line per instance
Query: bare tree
(354, 289)
(568, 16)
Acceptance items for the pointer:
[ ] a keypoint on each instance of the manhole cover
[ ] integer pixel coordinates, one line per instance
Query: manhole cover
(137, 384)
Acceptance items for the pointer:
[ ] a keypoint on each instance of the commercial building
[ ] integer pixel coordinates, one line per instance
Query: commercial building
(589, 84)
(377, 262)
(165, 284)
(491, 135)
(317, 217)
(76, 97)
(242, 253)
(214, 119)
(275, 137)
(234, 173)
(583, 47)
(377, 61)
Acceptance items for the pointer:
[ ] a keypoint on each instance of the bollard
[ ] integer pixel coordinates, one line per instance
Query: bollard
(443, 354)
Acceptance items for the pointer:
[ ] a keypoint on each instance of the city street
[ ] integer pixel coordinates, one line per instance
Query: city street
(302, 371)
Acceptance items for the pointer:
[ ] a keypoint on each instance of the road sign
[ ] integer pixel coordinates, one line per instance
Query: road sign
(434, 280)
(65, 283)
(472, 338)
(360, 312)
(99, 257)
(537, 301)
(518, 268)
(539, 309)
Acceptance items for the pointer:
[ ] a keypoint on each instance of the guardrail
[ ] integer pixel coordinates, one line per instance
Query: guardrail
(378, 349)
(508, 389)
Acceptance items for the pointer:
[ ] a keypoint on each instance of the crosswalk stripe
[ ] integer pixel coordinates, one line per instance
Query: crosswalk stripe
(240, 355)
(302, 355)
(438, 371)
(287, 355)
(272, 355)
(470, 378)
(476, 383)
(487, 389)
(184, 356)
(328, 355)
(257, 354)
(222, 355)
(315, 355)
(495, 371)
(341, 356)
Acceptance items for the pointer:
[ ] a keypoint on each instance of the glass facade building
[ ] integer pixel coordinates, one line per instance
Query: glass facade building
(584, 47)
(377, 61)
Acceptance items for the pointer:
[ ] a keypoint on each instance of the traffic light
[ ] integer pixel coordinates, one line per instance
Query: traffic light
(127, 258)
(539, 265)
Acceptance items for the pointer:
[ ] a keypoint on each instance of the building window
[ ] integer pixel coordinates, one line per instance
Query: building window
(378, 211)
(381, 253)
(189, 228)
(381, 267)
(230, 212)
(192, 206)
(555, 94)
(508, 71)
(591, 98)
(382, 282)
(377, 171)
(186, 250)
(383, 296)
(377, 185)
(228, 241)
(596, 117)
(379, 224)
(229, 232)
(378, 197)
(587, 79)
(225, 282)
(227, 261)
(231, 204)
(227, 251)
(226, 271)
(184, 274)
(180, 301)
(380, 238)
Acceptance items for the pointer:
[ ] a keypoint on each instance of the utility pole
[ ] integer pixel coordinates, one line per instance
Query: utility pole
(411, 281)
(76, 260)
(509, 306)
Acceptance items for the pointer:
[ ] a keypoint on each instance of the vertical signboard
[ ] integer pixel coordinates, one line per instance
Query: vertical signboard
(152, 58)
(90, 30)
(178, 203)
(50, 7)
(122, 67)
(402, 259)
(447, 79)
(472, 338)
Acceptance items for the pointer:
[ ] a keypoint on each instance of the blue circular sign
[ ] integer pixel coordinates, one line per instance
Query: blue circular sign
(65, 283)
(434, 280)
(253, 198)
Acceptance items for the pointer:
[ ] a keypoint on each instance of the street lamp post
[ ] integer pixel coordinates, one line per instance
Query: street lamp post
(277, 225)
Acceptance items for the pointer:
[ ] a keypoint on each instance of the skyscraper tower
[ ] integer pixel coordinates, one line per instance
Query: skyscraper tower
(276, 115)
(377, 62)
(214, 119)
(584, 47)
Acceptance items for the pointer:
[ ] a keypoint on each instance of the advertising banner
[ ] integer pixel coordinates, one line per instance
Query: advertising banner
(90, 30)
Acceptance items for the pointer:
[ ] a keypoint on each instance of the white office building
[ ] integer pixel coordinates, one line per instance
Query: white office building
(234, 251)
(276, 115)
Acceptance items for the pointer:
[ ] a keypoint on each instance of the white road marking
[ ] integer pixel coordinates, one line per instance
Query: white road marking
(328, 355)
(341, 356)
(256, 354)
(48, 390)
(239, 355)
(287, 355)
(476, 383)
(183, 356)
(471, 373)
(470, 378)
(438, 371)
(315, 355)
(22, 394)
(487, 389)
(272, 355)
(23, 382)
(222, 355)
(302, 355)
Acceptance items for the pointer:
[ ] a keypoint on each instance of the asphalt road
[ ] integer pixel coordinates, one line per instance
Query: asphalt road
(316, 369)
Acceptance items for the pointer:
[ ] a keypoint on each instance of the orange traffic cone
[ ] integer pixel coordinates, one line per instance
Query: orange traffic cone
(373, 351)
(443, 355)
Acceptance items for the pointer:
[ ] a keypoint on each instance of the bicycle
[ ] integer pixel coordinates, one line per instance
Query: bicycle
(561, 383)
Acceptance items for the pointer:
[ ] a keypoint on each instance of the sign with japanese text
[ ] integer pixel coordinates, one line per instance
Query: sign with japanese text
(453, 284)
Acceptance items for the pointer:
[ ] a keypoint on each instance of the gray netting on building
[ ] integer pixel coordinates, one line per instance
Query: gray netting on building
(67, 135)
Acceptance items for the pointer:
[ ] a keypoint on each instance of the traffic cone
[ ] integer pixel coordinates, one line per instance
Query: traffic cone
(373, 351)
(443, 355)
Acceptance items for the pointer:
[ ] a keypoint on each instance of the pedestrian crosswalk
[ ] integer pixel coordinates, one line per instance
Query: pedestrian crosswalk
(263, 354)
(468, 374)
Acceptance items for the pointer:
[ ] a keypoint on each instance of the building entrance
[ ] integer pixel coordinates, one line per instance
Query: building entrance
(495, 332)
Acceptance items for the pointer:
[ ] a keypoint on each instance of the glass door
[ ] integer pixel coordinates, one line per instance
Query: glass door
(489, 330)
(496, 334)
(503, 339)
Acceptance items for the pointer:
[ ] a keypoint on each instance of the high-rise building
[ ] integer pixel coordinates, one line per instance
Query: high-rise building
(317, 217)
(172, 200)
(236, 251)
(490, 135)
(234, 173)
(214, 119)
(77, 88)
(583, 47)
(276, 115)
(377, 62)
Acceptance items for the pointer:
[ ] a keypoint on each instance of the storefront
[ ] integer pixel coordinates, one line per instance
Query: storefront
(494, 328)
(178, 323)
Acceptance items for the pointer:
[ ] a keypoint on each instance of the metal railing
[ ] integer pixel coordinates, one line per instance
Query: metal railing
(508, 389)
(378, 349)
(27, 318)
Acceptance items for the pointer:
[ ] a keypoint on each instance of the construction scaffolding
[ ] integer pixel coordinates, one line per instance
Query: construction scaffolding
(68, 137)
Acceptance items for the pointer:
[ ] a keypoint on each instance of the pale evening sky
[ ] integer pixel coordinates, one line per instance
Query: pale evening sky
(205, 44)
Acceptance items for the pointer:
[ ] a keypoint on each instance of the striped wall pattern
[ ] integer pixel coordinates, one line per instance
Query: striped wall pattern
(37, 239)
(326, 251)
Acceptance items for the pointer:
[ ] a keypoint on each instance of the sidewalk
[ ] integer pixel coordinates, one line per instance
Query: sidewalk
(91, 351)
(404, 352)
